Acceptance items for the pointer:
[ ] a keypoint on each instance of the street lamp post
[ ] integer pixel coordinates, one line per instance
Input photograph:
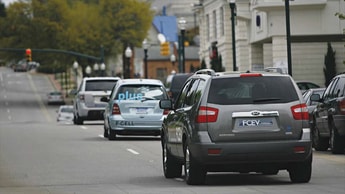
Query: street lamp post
(232, 4)
(75, 67)
(128, 54)
(182, 25)
(102, 69)
(88, 71)
(288, 35)
(146, 46)
(96, 69)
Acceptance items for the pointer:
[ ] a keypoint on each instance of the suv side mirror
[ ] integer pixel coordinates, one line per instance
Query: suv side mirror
(315, 98)
(104, 99)
(165, 104)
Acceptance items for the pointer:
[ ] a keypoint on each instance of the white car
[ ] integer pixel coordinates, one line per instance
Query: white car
(87, 103)
(65, 113)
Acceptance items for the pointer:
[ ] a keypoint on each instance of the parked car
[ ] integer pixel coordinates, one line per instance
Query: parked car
(87, 103)
(237, 122)
(328, 127)
(65, 113)
(306, 85)
(312, 104)
(133, 108)
(55, 97)
(175, 83)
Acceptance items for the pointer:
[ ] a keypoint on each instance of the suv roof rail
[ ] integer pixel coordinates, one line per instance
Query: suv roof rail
(206, 71)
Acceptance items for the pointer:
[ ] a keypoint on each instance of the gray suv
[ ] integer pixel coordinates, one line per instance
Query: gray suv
(87, 103)
(237, 122)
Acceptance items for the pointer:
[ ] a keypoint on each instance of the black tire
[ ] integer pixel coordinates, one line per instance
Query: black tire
(319, 143)
(105, 134)
(111, 135)
(301, 172)
(78, 120)
(195, 173)
(337, 142)
(172, 168)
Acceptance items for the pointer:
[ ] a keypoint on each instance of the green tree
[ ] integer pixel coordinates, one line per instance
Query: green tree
(82, 26)
(330, 67)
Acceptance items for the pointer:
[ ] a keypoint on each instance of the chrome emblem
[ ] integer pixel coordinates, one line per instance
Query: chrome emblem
(255, 113)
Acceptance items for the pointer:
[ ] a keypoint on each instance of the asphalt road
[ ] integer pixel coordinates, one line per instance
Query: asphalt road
(39, 155)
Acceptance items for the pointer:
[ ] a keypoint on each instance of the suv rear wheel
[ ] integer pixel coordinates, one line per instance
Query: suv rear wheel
(194, 172)
(319, 143)
(301, 172)
(171, 166)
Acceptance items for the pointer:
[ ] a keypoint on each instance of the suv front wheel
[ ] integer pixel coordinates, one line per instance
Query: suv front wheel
(195, 173)
(171, 166)
(319, 143)
(337, 142)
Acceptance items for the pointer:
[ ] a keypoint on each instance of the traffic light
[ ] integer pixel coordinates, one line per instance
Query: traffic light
(165, 49)
(28, 55)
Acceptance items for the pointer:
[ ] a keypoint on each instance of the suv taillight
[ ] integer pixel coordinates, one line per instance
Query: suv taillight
(342, 106)
(300, 112)
(116, 110)
(207, 115)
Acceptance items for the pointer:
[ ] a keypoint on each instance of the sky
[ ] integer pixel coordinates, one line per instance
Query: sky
(7, 2)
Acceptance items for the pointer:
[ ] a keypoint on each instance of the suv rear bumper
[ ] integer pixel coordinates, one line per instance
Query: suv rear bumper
(234, 156)
(91, 113)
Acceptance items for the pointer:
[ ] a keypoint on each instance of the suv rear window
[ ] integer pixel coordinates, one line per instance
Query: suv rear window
(252, 90)
(149, 92)
(100, 85)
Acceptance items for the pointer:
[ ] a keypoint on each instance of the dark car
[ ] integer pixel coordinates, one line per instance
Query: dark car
(237, 122)
(328, 127)
(176, 84)
(312, 104)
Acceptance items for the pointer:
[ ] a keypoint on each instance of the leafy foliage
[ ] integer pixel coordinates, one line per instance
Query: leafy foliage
(82, 26)
(330, 67)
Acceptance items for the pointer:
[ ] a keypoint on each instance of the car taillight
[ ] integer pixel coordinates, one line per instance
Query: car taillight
(166, 111)
(207, 114)
(342, 106)
(116, 110)
(300, 112)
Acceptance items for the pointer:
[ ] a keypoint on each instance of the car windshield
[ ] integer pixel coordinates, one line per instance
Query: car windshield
(100, 85)
(141, 92)
(252, 90)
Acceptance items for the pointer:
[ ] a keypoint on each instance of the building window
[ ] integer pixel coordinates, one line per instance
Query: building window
(214, 15)
(221, 22)
(208, 27)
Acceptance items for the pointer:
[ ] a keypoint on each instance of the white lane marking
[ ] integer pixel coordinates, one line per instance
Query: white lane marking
(39, 99)
(5, 96)
(132, 151)
(83, 127)
(101, 136)
(8, 111)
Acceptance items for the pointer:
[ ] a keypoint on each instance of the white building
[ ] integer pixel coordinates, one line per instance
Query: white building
(260, 33)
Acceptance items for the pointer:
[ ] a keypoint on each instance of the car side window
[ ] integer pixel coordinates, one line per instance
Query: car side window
(339, 88)
(328, 93)
(189, 101)
(181, 98)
